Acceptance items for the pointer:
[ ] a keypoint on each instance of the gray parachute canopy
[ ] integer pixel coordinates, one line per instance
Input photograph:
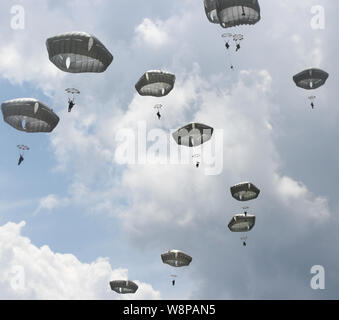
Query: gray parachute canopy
(72, 91)
(244, 191)
(176, 258)
(123, 286)
(29, 115)
(211, 10)
(155, 83)
(78, 52)
(231, 13)
(242, 223)
(193, 134)
(22, 147)
(310, 79)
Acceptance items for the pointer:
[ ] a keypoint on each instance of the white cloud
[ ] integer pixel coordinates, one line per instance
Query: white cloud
(152, 33)
(303, 203)
(28, 272)
(51, 202)
(289, 188)
(168, 202)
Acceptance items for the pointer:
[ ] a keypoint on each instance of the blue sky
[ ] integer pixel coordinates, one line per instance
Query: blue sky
(115, 220)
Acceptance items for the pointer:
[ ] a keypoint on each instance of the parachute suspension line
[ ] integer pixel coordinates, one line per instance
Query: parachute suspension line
(244, 239)
(228, 38)
(245, 212)
(229, 60)
(312, 98)
(22, 148)
(197, 162)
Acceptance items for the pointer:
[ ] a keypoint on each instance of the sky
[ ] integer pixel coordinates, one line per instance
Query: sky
(76, 215)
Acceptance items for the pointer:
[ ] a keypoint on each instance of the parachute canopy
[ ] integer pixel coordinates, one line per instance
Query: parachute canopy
(211, 10)
(310, 79)
(227, 35)
(242, 223)
(78, 52)
(244, 191)
(123, 286)
(238, 37)
(155, 83)
(193, 134)
(231, 13)
(29, 115)
(72, 90)
(176, 258)
(22, 147)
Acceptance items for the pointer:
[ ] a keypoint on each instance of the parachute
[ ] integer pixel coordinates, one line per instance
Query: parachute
(193, 134)
(244, 239)
(312, 98)
(22, 147)
(173, 276)
(238, 37)
(227, 35)
(158, 107)
(72, 91)
(78, 52)
(71, 101)
(123, 286)
(211, 10)
(155, 83)
(310, 79)
(231, 13)
(29, 115)
(197, 157)
(176, 258)
(242, 222)
(244, 191)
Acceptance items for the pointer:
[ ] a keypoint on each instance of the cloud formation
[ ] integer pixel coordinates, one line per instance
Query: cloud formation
(29, 272)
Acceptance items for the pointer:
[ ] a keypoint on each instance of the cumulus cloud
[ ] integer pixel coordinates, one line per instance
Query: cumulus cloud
(157, 194)
(151, 33)
(29, 272)
(177, 206)
(51, 202)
